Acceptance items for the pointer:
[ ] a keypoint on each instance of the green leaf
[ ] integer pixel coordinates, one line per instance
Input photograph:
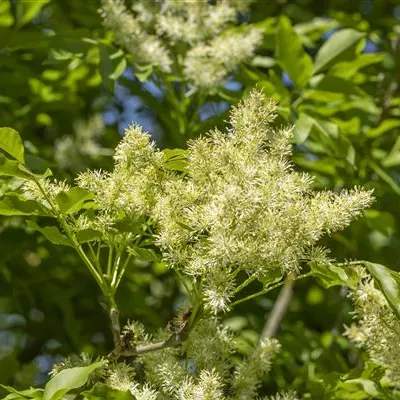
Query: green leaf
(51, 233)
(393, 157)
(31, 393)
(176, 159)
(380, 221)
(341, 46)
(316, 27)
(29, 9)
(37, 164)
(45, 174)
(320, 166)
(389, 282)
(358, 388)
(12, 168)
(68, 379)
(6, 15)
(143, 72)
(291, 55)
(306, 124)
(385, 126)
(11, 143)
(119, 69)
(73, 200)
(15, 205)
(16, 169)
(385, 177)
(302, 128)
(106, 67)
(144, 254)
(334, 84)
(101, 391)
(347, 69)
(333, 275)
(88, 235)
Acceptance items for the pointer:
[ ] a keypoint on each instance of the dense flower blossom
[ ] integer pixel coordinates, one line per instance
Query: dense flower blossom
(238, 206)
(153, 30)
(377, 329)
(242, 207)
(234, 206)
(211, 369)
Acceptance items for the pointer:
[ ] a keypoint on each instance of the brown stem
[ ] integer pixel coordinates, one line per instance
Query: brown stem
(115, 328)
(278, 311)
(173, 341)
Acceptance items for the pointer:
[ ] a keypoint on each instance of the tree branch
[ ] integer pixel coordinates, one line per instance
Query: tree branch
(115, 328)
(278, 311)
(173, 341)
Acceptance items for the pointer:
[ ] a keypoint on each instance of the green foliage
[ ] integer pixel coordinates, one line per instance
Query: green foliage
(67, 380)
(291, 55)
(341, 46)
(389, 282)
(11, 143)
(62, 383)
(62, 69)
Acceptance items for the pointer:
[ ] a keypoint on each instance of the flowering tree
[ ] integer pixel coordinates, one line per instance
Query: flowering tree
(229, 216)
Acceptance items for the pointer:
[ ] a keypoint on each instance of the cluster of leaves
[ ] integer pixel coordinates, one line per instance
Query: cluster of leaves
(335, 77)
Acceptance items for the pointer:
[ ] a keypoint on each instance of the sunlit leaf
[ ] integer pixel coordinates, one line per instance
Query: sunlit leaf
(144, 254)
(393, 157)
(384, 127)
(175, 159)
(11, 143)
(15, 205)
(88, 235)
(12, 168)
(73, 200)
(389, 283)
(22, 394)
(333, 275)
(119, 69)
(68, 379)
(385, 177)
(51, 233)
(29, 9)
(341, 46)
(357, 389)
(291, 55)
(101, 391)
(347, 69)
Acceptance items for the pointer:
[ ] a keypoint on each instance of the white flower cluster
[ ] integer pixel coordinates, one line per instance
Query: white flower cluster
(210, 369)
(137, 179)
(377, 329)
(240, 206)
(248, 375)
(208, 64)
(197, 30)
(48, 192)
(72, 151)
(291, 395)
(121, 377)
(131, 33)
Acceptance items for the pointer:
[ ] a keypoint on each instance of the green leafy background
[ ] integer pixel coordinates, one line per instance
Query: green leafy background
(334, 68)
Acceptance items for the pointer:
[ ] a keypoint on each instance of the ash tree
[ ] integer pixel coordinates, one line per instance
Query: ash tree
(241, 204)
